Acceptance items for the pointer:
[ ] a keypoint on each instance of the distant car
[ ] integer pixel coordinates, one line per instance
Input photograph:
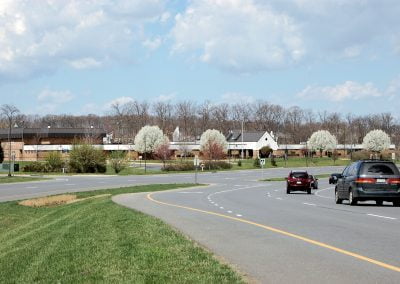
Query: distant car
(314, 182)
(333, 178)
(298, 180)
(369, 180)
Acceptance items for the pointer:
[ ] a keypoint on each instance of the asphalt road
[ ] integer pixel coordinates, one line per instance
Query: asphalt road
(266, 234)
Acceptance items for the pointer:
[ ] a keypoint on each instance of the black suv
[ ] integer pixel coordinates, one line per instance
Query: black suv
(369, 180)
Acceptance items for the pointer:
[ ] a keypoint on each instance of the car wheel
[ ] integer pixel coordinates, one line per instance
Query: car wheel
(379, 202)
(288, 190)
(337, 199)
(352, 200)
(309, 190)
(396, 203)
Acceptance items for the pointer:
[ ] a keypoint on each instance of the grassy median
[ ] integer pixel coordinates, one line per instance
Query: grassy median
(96, 240)
(13, 179)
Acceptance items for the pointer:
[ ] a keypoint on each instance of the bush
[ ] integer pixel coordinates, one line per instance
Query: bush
(184, 166)
(239, 163)
(85, 158)
(217, 165)
(54, 161)
(37, 167)
(256, 163)
(361, 155)
(118, 161)
(265, 151)
(273, 162)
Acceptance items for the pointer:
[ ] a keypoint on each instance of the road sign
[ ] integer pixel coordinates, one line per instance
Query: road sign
(262, 162)
(196, 161)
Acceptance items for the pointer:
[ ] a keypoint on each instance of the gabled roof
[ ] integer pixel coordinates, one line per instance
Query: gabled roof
(248, 136)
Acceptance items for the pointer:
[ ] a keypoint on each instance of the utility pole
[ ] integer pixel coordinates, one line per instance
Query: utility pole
(145, 152)
(242, 154)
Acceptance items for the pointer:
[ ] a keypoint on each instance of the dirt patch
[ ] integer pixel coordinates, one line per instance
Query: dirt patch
(56, 200)
(49, 200)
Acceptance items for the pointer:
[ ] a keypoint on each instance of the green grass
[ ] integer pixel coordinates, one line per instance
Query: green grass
(13, 179)
(97, 240)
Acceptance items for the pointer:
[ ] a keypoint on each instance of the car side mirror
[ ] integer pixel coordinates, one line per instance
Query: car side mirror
(286, 178)
(316, 179)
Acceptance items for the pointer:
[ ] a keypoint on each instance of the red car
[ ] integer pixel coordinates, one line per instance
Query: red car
(298, 180)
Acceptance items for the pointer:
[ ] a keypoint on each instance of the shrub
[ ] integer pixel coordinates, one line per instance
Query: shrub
(217, 165)
(37, 167)
(273, 162)
(256, 163)
(185, 166)
(360, 155)
(85, 158)
(118, 161)
(265, 151)
(54, 161)
(239, 163)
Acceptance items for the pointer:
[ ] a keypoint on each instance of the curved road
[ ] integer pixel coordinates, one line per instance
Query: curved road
(268, 235)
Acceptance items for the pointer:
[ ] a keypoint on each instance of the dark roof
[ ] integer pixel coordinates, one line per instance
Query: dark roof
(16, 133)
(248, 136)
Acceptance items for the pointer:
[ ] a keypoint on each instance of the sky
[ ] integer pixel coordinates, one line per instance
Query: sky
(79, 57)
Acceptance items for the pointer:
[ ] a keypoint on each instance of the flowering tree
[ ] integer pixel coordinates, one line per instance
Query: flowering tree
(322, 140)
(376, 140)
(213, 144)
(163, 152)
(148, 139)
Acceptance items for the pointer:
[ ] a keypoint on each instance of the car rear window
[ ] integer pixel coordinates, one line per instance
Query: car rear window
(379, 169)
(299, 175)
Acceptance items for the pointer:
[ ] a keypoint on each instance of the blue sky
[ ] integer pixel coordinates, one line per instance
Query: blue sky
(78, 57)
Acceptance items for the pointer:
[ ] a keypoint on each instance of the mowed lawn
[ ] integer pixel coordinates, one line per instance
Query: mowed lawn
(96, 240)
(13, 179)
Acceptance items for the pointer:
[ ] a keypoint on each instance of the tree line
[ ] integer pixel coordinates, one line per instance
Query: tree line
(291, 125)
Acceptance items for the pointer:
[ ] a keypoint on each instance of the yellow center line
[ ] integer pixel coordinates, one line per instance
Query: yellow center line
(317, 243)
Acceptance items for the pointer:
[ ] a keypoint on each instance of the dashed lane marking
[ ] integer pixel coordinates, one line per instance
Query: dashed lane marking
(379, 216)
(311, 204)
(285, 233)
(31, 187)
(318, 191)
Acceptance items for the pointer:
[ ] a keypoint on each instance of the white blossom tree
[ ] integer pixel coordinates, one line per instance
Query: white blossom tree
(322, 140)
(148, 139)
(376, 141)
(213, 144)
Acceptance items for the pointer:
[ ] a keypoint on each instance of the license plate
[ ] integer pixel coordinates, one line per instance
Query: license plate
(380, 180)
(299, 182)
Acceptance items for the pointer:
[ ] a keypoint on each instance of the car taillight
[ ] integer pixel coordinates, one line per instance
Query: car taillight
(393, 180)
(365, 180)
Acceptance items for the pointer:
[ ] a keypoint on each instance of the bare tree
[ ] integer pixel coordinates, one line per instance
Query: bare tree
(9, 112)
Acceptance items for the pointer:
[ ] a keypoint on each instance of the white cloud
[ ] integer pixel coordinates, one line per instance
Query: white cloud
(234, 98)
(165, 98)
(393, 89)
(152, 44)
(347, 91)
(238, 35)
(60, 97)
(42, 37)
(253, 35)
(118, 101)
(85, 63)
(49, 100)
